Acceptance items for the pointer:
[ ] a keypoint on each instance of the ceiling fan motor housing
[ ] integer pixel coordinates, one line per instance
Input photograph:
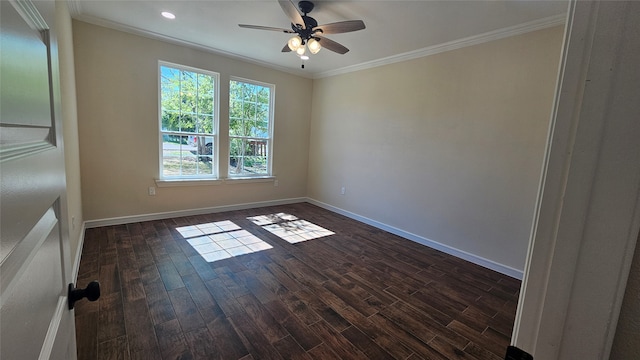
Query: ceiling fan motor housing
(305, 6)
(309, 24)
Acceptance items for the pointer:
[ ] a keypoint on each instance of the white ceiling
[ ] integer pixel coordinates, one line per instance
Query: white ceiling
(394, 28)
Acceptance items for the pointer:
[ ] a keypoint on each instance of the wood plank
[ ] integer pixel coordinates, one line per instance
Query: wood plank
(252, 338)
(160, 307)
(364, 343)
(171, 340)
(338, 343)
(111, 317)
(288, 348)
(379, 334)
(132, 287)
(139, 329)
(361, 293)
(301, 333)
(202, 345)
(225, 338)
(169, 275)
(114, 349)
(262, 319)
(87, 341)
(186, 310)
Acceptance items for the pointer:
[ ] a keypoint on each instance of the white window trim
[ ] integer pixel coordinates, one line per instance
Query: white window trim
(164, 183)
(272, 101)
(215, 156)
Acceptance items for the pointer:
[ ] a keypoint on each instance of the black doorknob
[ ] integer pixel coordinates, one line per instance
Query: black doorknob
(91, 292)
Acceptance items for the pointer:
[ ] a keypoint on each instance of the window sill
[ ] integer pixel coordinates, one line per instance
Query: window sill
(208, 182)
(253, 179)
(187, 182)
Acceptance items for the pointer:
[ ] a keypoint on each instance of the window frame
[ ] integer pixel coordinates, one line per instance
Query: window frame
(269, 139)
(215, 151)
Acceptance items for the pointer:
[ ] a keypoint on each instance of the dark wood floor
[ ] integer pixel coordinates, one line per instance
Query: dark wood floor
(361, 293)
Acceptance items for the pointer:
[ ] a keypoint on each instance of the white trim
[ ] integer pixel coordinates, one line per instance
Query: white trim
(76, 261)
(519, 29)
(74, 7)
(30, 14)
(161, 183)
(589, 212)
(178, 213)
(153, 35)
(478, 260)
(245, 180)
(52, 331)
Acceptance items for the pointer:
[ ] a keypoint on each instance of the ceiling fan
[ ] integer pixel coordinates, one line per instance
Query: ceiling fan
(308, 33)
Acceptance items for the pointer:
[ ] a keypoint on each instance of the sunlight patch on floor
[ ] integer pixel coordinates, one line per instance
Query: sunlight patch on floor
(221, 240)
(290, 228)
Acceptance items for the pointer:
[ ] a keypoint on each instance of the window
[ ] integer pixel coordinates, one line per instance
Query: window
(250, 128)
(188, 122)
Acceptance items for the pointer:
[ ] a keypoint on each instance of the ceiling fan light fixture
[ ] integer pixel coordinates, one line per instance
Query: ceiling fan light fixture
(314, 46)
(300, 50)
(295, 43)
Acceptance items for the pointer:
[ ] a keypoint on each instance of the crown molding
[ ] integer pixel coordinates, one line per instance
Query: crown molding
(154, 35)
(75, 7)
(519, 29)
(551, 21)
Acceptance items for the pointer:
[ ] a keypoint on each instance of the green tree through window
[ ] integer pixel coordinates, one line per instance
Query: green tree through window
(250, 128)
(188, 116)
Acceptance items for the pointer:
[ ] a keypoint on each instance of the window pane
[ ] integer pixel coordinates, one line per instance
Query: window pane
(170, 121)
(203, 145)
(188, 123)
(249, 110)
(255, 165)
(189, 164)
(187, 101)
(188, 92)
(235, 127)
(204, 124)
(236, 147)
(249, 118)
(248, 92)
(205, 94)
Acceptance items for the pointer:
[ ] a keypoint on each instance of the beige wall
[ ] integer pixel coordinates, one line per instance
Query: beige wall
(447, 147)
(69, 126)
(117, 87)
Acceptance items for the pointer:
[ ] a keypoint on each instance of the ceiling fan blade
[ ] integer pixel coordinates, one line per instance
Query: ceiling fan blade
(258, 27)
(332, 45)
(340, 27)
(292, 12)
(286, 48)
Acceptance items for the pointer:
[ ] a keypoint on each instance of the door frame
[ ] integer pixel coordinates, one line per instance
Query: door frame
(587, 215)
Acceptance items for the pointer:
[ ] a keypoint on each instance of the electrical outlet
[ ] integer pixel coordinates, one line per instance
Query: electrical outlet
(152, 191)
(73, 223)
(343, 190)
(275, 183)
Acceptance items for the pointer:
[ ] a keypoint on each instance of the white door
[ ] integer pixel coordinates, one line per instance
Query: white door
(35, 322)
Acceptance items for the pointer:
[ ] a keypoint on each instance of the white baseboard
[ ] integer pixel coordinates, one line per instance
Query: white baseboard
(171, 214)
(478, 260)
(76, 261)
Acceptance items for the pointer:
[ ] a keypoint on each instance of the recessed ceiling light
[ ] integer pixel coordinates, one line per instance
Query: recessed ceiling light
(168, 15)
